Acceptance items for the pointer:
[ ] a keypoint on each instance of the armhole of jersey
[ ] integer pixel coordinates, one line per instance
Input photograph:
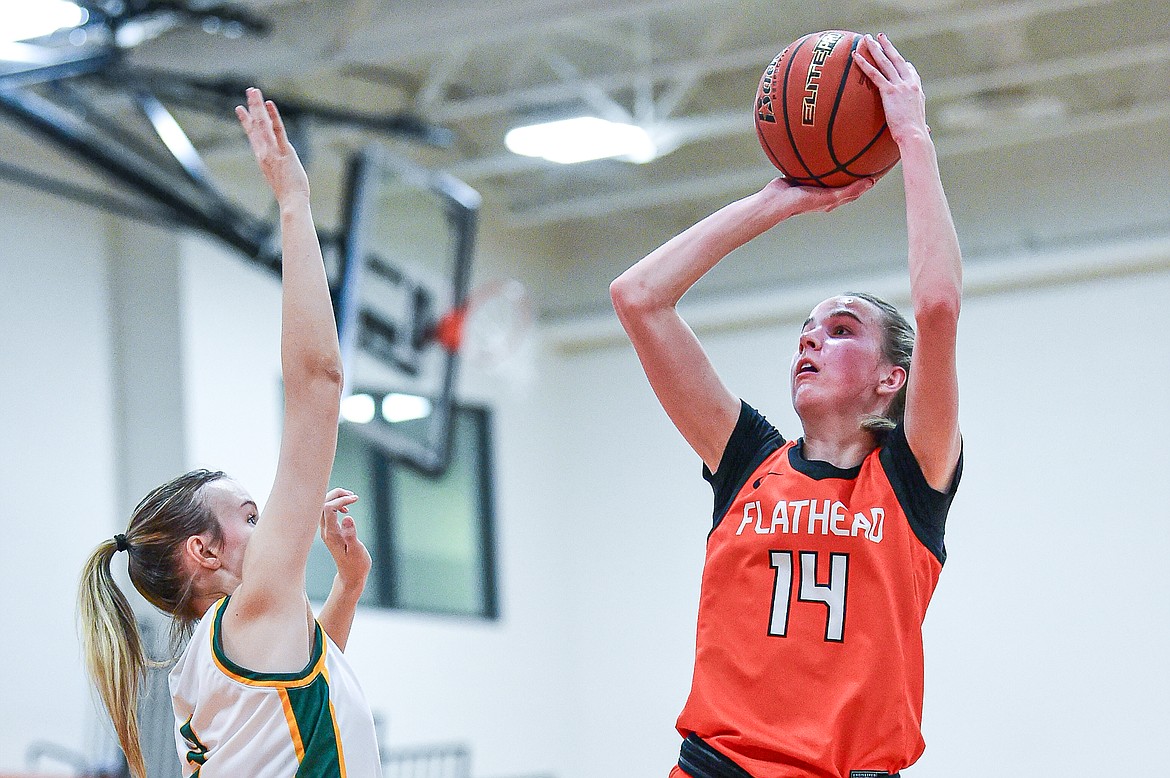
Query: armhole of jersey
(243, 675)
(752, 441)
(926, 508)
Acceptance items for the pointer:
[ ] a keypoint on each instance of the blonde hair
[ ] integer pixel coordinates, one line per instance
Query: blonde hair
(111, 643)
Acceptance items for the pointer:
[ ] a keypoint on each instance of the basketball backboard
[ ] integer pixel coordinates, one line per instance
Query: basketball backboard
(405, 261)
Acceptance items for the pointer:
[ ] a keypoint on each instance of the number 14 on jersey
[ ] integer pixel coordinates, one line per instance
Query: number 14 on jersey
(831, 595)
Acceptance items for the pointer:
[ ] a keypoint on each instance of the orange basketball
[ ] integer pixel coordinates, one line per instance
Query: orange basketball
(818, 117)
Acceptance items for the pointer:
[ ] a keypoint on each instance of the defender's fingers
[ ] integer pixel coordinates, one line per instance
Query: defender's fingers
(341, 503)
(277, 125)
(255, 102)
(261, 121)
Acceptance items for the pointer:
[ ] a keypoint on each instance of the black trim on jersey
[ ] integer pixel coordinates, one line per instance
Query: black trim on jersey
(787, 598)
(752, 441)
(926, 507)
(699, 759)
(816, 469)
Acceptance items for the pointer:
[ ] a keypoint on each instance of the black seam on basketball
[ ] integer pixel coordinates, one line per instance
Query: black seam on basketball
(768, 151)
(837, 104)
(843, 167)
(799, 181)
(859, 154)
(784, 93)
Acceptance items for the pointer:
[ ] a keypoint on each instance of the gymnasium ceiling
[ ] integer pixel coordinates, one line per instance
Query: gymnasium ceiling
(1052, 118)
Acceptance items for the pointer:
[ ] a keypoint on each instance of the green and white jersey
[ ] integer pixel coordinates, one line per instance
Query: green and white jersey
(232, 722)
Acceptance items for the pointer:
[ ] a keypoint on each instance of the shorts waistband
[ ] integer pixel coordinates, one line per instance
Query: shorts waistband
(698, 759)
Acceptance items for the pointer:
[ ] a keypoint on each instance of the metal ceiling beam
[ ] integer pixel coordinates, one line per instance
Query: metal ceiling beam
(708, 126)
(193, 209)
(1049, 70)
(218, 97)
(17, 77)
(439, 25)
(691, 68)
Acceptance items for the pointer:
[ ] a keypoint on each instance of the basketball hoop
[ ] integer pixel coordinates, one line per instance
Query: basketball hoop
(489, 326)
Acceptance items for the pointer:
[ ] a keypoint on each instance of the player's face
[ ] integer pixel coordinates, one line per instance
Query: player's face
(838, 362)
(237, 514)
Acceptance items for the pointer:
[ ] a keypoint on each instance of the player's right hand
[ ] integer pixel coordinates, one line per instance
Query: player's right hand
(796, 200)
(277, 158)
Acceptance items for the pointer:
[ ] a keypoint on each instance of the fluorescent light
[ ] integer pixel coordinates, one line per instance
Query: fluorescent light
(580, 140)
(21, 20)
(358, 408)
(405, 407)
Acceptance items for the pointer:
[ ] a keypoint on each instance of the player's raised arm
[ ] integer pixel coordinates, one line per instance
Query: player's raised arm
(645, 297)
(269, 606)
(936, 272)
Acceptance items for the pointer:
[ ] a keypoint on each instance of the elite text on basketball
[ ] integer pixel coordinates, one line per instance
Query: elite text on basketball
(821, 51)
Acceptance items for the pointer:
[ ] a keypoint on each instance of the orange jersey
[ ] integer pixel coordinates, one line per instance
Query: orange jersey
(808, 657)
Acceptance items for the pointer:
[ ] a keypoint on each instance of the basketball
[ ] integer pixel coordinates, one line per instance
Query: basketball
(818, 117)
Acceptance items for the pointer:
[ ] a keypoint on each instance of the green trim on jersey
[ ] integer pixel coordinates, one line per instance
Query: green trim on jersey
(198, 753)
(251, 675)
(317, 730)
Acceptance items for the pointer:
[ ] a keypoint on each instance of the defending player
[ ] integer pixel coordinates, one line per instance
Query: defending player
(825, 550)
(262, 689)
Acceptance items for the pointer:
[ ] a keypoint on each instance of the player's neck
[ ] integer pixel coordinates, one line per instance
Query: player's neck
(840, 442)
(212, 592)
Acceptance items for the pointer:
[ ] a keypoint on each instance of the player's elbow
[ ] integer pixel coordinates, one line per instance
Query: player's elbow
(939, 311)
(631, 297)
(315, 373)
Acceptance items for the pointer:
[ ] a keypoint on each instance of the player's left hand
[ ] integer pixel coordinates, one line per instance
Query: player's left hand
(340, 536)
(899, 85)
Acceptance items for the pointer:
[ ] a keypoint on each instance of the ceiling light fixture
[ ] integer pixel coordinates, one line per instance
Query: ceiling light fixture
(22, 20)
(582, 139)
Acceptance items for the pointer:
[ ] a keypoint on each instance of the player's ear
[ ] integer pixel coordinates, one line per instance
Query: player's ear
(201, 552)
(893, 378)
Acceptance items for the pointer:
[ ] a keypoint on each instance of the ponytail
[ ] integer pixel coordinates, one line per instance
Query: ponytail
(113, 650)
(114, 653)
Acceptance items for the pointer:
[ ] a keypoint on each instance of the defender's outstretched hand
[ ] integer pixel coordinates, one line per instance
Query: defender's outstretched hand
(277, 158)
(340, 536)
(899, 85)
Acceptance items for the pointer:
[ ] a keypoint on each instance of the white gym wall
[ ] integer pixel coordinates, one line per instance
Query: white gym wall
(1041, 643)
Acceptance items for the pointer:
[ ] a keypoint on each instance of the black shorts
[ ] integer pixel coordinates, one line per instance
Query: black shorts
(698, 759)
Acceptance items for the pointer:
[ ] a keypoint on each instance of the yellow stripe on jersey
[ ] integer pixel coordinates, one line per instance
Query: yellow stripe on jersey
(293, 729)
(316, 726)
(336, 731)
